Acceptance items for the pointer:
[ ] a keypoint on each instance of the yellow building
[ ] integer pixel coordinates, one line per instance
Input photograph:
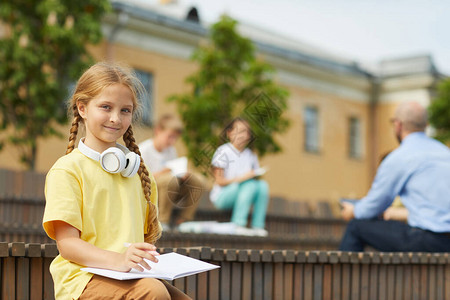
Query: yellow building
(339, 110)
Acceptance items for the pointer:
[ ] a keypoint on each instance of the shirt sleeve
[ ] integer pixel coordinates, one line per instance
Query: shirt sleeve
(255, 163)
(63, 197)
(220, 158)
(388, 182)
(146, 155)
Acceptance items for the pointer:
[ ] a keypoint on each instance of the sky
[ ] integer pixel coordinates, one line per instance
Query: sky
(366, 31)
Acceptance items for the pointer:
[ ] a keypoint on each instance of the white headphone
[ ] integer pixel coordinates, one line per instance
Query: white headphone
(114, 159)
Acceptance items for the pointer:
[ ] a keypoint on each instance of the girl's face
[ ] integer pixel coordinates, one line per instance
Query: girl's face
(107, 116)
(239, 135)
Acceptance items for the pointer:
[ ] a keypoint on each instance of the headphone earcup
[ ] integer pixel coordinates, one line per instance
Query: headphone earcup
(113, 160)
(133, 161)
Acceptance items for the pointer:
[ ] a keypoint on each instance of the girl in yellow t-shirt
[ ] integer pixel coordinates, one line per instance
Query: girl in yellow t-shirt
(100, 196)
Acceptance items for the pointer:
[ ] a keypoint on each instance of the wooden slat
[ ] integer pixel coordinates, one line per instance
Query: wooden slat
(407, 282)
(278, 281)
(8, 288)
(346, 281)
(431, 282)
(318, 281)
(288, 286)
(214, 284)
(48, 289)
(247, 277)
(22, 278)
(399, 282)
(180, 283)
(337, 282)
(225, 280)
(36, 278)
(264, 274)
(356, 281)
(308, 281)
(416, 282)
(390, 282)
(191, 281)
(365, 273)
(440, 279)
(202, 286)
(373, 281)
(17, 249)
(268, 279)
(382, 281)
(298, 281)
(423, 282)
(447, 280)
(236, 280)
(258, 282)
(4, 249)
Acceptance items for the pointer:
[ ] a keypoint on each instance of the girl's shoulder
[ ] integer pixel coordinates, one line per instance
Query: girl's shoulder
(69, 161)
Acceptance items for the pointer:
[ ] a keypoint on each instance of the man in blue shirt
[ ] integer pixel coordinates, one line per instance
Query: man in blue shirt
(419, 172)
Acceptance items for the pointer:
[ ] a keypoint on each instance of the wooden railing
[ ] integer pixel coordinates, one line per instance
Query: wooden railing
(21, 221)
(262, 274)
(291, 224)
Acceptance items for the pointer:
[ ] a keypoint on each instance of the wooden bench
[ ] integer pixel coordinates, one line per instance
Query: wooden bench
(292, 224)
(262, 274)
(21, 221)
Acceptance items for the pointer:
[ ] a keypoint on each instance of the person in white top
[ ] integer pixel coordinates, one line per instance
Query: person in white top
(182, 190)
(237, 186)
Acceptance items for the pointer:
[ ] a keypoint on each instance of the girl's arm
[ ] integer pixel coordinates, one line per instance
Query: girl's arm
(222, 181)
(74, 249)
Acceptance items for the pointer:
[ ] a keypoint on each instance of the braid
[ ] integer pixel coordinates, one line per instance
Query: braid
(154, 231)
(73, 130)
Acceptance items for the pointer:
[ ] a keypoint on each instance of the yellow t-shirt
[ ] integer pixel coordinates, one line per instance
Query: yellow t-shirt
(108, 210)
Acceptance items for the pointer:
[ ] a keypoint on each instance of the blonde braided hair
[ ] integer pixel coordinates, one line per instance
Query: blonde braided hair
(73, 130)
(90, 85)
(153, 235)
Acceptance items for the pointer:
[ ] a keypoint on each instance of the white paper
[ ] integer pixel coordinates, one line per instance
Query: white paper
(178, 166)
(169, 267)
(260, 171)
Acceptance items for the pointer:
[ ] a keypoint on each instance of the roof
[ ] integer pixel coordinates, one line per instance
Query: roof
(174, 15)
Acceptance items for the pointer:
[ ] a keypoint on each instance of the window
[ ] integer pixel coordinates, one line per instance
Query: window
(311, 123)
(355, 150)
(146, 100)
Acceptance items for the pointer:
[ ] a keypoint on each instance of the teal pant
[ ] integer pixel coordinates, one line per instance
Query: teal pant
(240, 197)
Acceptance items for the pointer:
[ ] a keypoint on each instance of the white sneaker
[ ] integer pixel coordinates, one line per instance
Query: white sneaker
(260, 232)
(241, 230)
(165, 227)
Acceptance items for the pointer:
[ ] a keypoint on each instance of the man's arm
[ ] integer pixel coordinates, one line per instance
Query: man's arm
(387, 184)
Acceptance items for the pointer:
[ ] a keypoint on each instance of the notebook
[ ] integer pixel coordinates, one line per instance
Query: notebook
(170, 266)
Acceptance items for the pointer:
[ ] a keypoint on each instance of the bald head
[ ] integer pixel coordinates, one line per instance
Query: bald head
(412, 115)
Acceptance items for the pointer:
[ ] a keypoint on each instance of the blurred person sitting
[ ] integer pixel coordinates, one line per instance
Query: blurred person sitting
(183, 190)
(236, 184)
(418, 171)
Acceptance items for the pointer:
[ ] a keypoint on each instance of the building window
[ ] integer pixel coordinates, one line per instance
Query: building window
(355, 149)
(146, 100)
(311, 125)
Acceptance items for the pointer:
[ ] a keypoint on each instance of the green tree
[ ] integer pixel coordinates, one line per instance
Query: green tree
(43, 51)
(439, 112)
(230, 82)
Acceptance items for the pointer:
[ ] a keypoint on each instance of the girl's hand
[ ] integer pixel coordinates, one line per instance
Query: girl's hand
(134, 257)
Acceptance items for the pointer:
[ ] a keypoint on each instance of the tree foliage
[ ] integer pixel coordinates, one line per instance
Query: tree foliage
(230, 82)
(439, 112)
(43, 51)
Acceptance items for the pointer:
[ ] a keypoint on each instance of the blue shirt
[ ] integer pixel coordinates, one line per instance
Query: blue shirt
(419, 172)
